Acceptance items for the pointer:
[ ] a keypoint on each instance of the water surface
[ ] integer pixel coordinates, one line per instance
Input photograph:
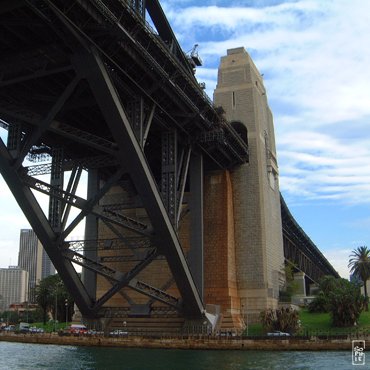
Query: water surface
(15, 356)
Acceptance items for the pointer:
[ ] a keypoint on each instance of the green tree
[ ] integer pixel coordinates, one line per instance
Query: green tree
(319, 304)
(359, 264)
(51, 296)
(341, 298)
(42, 294)
(284, 319)
(291, 286)
(10, 317)
(345, 303)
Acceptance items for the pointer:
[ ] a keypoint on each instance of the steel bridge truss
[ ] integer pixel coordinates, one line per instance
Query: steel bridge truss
(300, 251)
(88, 85)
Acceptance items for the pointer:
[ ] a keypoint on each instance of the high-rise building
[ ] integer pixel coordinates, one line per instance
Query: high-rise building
(47, 267)
(30, 259)
(33, 259)
(13, 286)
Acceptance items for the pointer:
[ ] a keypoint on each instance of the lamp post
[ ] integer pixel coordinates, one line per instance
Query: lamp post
(57, 287)
(66, 305)
(242, 312)
(27, 309)
(246, 313)
(56, 308)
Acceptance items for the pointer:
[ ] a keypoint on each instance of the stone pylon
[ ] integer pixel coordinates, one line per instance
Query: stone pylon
(259, 255)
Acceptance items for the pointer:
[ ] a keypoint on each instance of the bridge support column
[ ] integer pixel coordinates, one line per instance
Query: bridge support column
(56, 180)
(219, 250)
(131, 158)
(91, 233)
(256, 197)
(299, 279)
(300, 293)
(195, 257)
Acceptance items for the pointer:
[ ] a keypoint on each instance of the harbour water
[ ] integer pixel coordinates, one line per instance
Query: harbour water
(15, 356)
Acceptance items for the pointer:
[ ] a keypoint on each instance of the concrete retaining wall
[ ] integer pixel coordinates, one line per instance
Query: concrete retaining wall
(205, 343)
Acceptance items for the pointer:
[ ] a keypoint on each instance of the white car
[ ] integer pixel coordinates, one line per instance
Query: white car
(118, 333)
(33, 329)
(277, 333)
(10, 328)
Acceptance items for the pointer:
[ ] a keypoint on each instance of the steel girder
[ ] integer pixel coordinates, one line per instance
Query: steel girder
(30, 207)
(91, 81)
(37, 129)
(300, 250)
(141, 82)
(300, 261)
(92, 67)
(116, 28)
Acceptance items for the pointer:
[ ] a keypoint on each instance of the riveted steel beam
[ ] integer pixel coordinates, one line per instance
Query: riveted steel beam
(120, 279)
(126, 279)
(42, 126)
(93, 69)
(30, 207)
(56, 181)
(156, 294)
(307, 256)
(169, 174)
(108, 244)
(86, 207)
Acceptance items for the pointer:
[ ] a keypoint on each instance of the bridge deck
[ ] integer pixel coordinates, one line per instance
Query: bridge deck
(41, 43)
(301, 251)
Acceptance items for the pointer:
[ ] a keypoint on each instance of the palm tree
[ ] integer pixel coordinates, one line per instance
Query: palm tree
(359, 264)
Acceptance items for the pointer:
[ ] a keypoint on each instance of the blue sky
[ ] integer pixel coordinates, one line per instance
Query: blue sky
(315, 58)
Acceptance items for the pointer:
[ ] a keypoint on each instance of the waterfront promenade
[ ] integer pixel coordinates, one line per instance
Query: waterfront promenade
(202, 342)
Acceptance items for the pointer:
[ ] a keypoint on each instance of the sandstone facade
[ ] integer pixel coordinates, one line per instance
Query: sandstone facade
(256, 199)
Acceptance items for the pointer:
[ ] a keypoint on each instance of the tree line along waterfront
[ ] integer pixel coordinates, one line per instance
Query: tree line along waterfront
(52, 310)
(339, 308)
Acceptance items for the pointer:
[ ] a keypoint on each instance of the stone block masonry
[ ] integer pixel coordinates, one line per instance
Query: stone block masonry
(219, 249)
(256, 200)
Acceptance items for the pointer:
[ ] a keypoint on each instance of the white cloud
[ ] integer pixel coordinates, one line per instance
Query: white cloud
(314, 56)
(339, 259)
(322, 166)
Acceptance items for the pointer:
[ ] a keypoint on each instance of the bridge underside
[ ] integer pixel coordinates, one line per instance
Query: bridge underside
(300, 251)
(89, 85)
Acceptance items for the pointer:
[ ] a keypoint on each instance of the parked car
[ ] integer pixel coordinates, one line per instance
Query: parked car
(118, 333)
(78, 329)
(24, 327)
(10, 328)
(277, 333)
(33, 329)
